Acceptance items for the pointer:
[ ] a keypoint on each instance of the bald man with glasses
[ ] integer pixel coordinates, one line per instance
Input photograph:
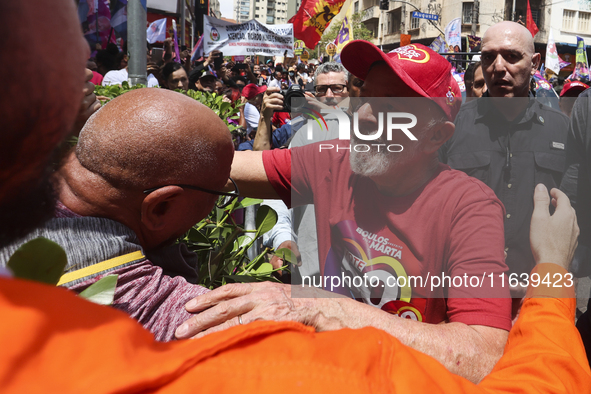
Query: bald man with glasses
(141, 175)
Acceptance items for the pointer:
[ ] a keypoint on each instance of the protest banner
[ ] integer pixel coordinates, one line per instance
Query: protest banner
(331, 49)
(438, 44)
(249, 38)
(581, 71)
(298, 47)
(345, 35)
(313, 18)
(453, 32)
(156, 31)
(552, 61)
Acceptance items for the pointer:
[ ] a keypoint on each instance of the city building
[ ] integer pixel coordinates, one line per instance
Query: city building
(567, 19)
(388, 25)
(270, 12)
(292, 8)
(214, 8)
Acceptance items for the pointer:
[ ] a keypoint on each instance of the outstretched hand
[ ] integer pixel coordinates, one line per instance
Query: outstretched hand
(554, 237)
(242, 303)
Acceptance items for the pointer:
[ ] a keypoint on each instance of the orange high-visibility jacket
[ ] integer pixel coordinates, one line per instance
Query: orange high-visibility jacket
(52, 341)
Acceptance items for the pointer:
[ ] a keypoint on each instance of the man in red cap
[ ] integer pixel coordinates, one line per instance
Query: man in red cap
(568, 95)
(254, 94)
(57, 342)
(383, 217)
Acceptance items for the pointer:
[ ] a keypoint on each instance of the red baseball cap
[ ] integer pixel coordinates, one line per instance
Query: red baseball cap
(251, 90)
(573, 88)
(422, 69)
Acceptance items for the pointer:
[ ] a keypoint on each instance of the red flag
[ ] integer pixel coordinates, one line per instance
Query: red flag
(529, 21)
(313, 18)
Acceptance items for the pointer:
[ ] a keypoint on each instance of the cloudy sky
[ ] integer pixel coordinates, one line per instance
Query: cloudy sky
(226, 8)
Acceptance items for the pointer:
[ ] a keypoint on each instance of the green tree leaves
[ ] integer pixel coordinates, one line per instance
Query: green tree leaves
(40, 260)
(43, 260)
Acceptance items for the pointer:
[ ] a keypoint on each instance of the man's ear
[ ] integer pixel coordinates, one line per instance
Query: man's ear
(157, 206)
(438, 135)
(535, 62)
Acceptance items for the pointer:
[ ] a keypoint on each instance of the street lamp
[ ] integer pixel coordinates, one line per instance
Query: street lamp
(415, 7)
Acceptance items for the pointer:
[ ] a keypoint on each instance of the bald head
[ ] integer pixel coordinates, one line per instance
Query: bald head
(153, 137)
(508, 60)
(510, 31)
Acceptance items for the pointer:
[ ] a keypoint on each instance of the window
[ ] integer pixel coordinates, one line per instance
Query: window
(356, 7)
(396, 21)
(414, 23)
(584, 18)
(258, 8)
(467, 9)
(568, 20)
(382, 29)
(535, 15)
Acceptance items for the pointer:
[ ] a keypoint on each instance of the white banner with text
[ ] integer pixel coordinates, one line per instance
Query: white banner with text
(249, 38)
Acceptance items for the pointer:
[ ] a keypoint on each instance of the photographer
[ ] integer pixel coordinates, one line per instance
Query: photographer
(266, 138)
(239, 67)
(213, 64)
(331, 90)
(331, 87)
(254, 96)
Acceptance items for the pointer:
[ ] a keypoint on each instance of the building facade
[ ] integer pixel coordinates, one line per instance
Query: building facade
(270, 12)
(387, 26)
(569, 19)
(214, 8)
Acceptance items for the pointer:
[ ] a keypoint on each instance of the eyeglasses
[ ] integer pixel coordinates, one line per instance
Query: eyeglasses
(222, 203)
(336, 89)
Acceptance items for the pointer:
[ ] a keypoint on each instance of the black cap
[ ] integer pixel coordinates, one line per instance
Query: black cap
(207, 74)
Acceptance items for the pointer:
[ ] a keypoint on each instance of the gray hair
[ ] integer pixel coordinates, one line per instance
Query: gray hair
(331, 67)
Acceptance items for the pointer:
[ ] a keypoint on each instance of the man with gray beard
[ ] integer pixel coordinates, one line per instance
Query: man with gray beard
(388, 216)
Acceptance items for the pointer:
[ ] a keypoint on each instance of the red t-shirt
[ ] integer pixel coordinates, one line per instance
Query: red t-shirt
(452, 225)
(279, 118)
(97, 78)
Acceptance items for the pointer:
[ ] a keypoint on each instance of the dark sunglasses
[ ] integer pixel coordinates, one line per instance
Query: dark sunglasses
(222, 203)
(336, 89)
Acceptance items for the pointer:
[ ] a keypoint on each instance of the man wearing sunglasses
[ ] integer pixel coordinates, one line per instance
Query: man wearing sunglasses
(329, 93)
(330, 84)
(129, 191)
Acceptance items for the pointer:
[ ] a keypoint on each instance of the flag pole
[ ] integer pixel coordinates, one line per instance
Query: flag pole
(136, 22)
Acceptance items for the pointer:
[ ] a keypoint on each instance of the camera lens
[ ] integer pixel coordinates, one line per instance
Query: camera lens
(295, 91)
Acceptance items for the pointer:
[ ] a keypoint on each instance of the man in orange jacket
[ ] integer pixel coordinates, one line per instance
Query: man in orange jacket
(53, 341)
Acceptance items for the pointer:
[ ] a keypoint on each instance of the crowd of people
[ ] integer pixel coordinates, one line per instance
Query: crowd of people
(477, 191)
(211, 74)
